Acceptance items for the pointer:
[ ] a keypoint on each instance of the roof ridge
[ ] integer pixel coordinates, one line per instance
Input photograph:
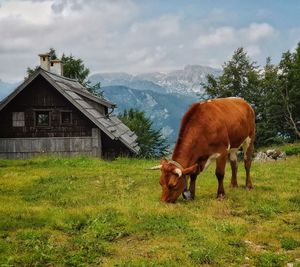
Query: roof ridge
(76, 90)
(86, 93)
(60, 76)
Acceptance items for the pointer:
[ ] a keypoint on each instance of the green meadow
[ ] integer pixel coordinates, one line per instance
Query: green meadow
(89, 212)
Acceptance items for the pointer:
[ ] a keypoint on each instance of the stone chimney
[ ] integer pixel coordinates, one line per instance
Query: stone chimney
(56, 67)
(45, 61)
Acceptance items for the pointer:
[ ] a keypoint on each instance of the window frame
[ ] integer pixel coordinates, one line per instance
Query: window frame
(14, 120)
(36, 112)
(71, 118)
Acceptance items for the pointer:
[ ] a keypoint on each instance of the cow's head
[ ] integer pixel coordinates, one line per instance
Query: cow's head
(173, 179)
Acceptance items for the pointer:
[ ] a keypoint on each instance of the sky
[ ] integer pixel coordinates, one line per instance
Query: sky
(137, 36)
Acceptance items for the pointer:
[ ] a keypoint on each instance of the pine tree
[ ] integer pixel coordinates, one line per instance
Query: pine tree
(290, 90)
(269, 107)
(240, 79)
(151, 142)
(74, 68)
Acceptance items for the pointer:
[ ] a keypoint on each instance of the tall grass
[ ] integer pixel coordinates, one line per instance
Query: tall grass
(89, 212)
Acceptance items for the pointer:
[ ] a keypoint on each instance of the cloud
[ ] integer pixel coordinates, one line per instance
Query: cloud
(220, 36)
(253, 50)
(84, 28)
(118, 35)
(164, 26)
(220, 42)
(257, 32)
(59, 6)
(254, 33)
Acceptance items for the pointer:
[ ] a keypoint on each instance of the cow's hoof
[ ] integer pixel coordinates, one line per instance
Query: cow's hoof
(220, 197)
(233, 185)
(248, 187)
(187, 195)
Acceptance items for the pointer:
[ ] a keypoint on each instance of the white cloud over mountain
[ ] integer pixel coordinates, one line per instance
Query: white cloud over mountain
(253, 34)
(117, 35)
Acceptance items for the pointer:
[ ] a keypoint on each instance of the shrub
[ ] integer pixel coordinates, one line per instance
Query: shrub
(269, 259)
(206, 255)
(289, 243)
(294, 150)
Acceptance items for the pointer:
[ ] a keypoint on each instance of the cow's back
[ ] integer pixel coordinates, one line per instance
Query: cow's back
(233, 117)
(227, 121)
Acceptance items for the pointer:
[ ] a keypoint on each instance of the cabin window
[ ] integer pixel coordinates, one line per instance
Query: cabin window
(18, 119)
(66, 117)
(42, 118)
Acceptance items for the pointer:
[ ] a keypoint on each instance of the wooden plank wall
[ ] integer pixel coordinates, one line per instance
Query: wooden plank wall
(22, 148)
(40, 95)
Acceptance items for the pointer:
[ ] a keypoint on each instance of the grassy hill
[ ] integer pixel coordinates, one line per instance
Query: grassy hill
(88, 212)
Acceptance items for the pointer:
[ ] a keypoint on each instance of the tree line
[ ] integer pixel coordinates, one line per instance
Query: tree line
(273, 91)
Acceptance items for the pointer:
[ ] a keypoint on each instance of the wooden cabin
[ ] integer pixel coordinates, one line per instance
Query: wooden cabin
(52, 114)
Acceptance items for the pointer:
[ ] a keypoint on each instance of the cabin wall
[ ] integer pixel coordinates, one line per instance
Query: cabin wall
(22, 148)
(26, 139)
(113, 148)
(40, 95)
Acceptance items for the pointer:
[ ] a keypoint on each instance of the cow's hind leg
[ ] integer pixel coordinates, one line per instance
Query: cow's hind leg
(248, 150)
(220, 172)
(234, 167)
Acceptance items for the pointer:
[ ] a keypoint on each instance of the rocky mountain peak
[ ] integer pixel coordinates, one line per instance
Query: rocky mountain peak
(186, 81)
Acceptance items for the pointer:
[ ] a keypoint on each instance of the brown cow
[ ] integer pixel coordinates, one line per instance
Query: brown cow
(214, 129)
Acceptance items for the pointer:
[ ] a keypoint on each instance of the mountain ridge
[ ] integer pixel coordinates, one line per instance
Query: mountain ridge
(164, 110)
(186, 81)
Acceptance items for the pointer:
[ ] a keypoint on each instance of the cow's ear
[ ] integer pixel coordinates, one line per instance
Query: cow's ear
(191, 170)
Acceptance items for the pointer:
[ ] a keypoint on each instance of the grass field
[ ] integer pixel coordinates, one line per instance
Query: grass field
(88, 212)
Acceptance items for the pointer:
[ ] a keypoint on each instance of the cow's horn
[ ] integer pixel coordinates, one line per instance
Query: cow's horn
(158, 167)
(178, 172)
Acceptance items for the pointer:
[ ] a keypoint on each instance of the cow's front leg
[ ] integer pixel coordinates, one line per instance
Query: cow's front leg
(220, 171)
(193, 185)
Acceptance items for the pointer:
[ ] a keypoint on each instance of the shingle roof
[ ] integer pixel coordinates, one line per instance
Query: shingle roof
(77, 95)
(75, 86)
